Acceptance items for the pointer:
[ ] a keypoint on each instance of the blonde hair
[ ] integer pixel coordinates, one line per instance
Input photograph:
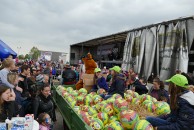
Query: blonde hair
(7, 62)
(11, 77)
(191, 88)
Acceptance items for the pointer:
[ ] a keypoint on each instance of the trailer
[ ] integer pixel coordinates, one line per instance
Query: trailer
(71, 119)
(159, 48)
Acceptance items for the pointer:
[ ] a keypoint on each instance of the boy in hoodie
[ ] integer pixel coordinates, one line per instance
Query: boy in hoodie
(181, 104)
(118, 83)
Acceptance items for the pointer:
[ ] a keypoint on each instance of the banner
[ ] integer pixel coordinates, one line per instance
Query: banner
(104, 49)
(46, 55)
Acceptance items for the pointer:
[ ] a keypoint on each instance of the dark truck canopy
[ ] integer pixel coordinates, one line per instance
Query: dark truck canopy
(159, 48)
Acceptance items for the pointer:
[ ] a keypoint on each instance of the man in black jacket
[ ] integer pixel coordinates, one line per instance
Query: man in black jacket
(69, 76)
(23, 81)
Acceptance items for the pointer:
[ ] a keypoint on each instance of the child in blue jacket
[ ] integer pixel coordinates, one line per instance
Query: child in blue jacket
(99, 81)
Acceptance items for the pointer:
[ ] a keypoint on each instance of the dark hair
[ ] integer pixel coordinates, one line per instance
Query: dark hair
(178, 71)
(190, 81)
(44, 86)
(41, 118)
(95, 79)
(24, 67)
(174, 92)
(3, 88)
(114, 76)
(161, 83)
(157, 80)
(18, 64)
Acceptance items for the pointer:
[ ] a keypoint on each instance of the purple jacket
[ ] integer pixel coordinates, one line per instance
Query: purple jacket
(102, 84)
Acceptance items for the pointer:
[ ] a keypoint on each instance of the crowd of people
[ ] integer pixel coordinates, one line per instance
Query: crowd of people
(26, 88)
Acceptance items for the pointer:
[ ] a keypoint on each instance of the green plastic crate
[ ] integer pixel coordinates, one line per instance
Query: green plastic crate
(72, 119)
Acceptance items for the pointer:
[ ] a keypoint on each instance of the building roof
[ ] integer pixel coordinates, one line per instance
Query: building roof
(105, 39)
(53, 51)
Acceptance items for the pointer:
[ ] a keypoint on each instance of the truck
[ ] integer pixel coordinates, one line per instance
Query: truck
(159, 48)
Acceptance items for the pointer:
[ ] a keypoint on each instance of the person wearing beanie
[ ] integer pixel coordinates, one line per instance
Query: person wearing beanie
(181, 116)
(39, 78)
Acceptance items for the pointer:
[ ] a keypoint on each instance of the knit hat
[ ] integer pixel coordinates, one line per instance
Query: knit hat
(116, 68)
(39, 78)
(179, 80)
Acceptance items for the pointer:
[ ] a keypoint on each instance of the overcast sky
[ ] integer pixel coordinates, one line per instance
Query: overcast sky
(55, 24)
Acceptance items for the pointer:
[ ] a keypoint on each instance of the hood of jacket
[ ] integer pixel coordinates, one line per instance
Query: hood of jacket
(189, 96)
(121, 76)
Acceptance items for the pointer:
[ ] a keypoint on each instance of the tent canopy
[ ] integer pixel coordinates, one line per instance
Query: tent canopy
(5, 51)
